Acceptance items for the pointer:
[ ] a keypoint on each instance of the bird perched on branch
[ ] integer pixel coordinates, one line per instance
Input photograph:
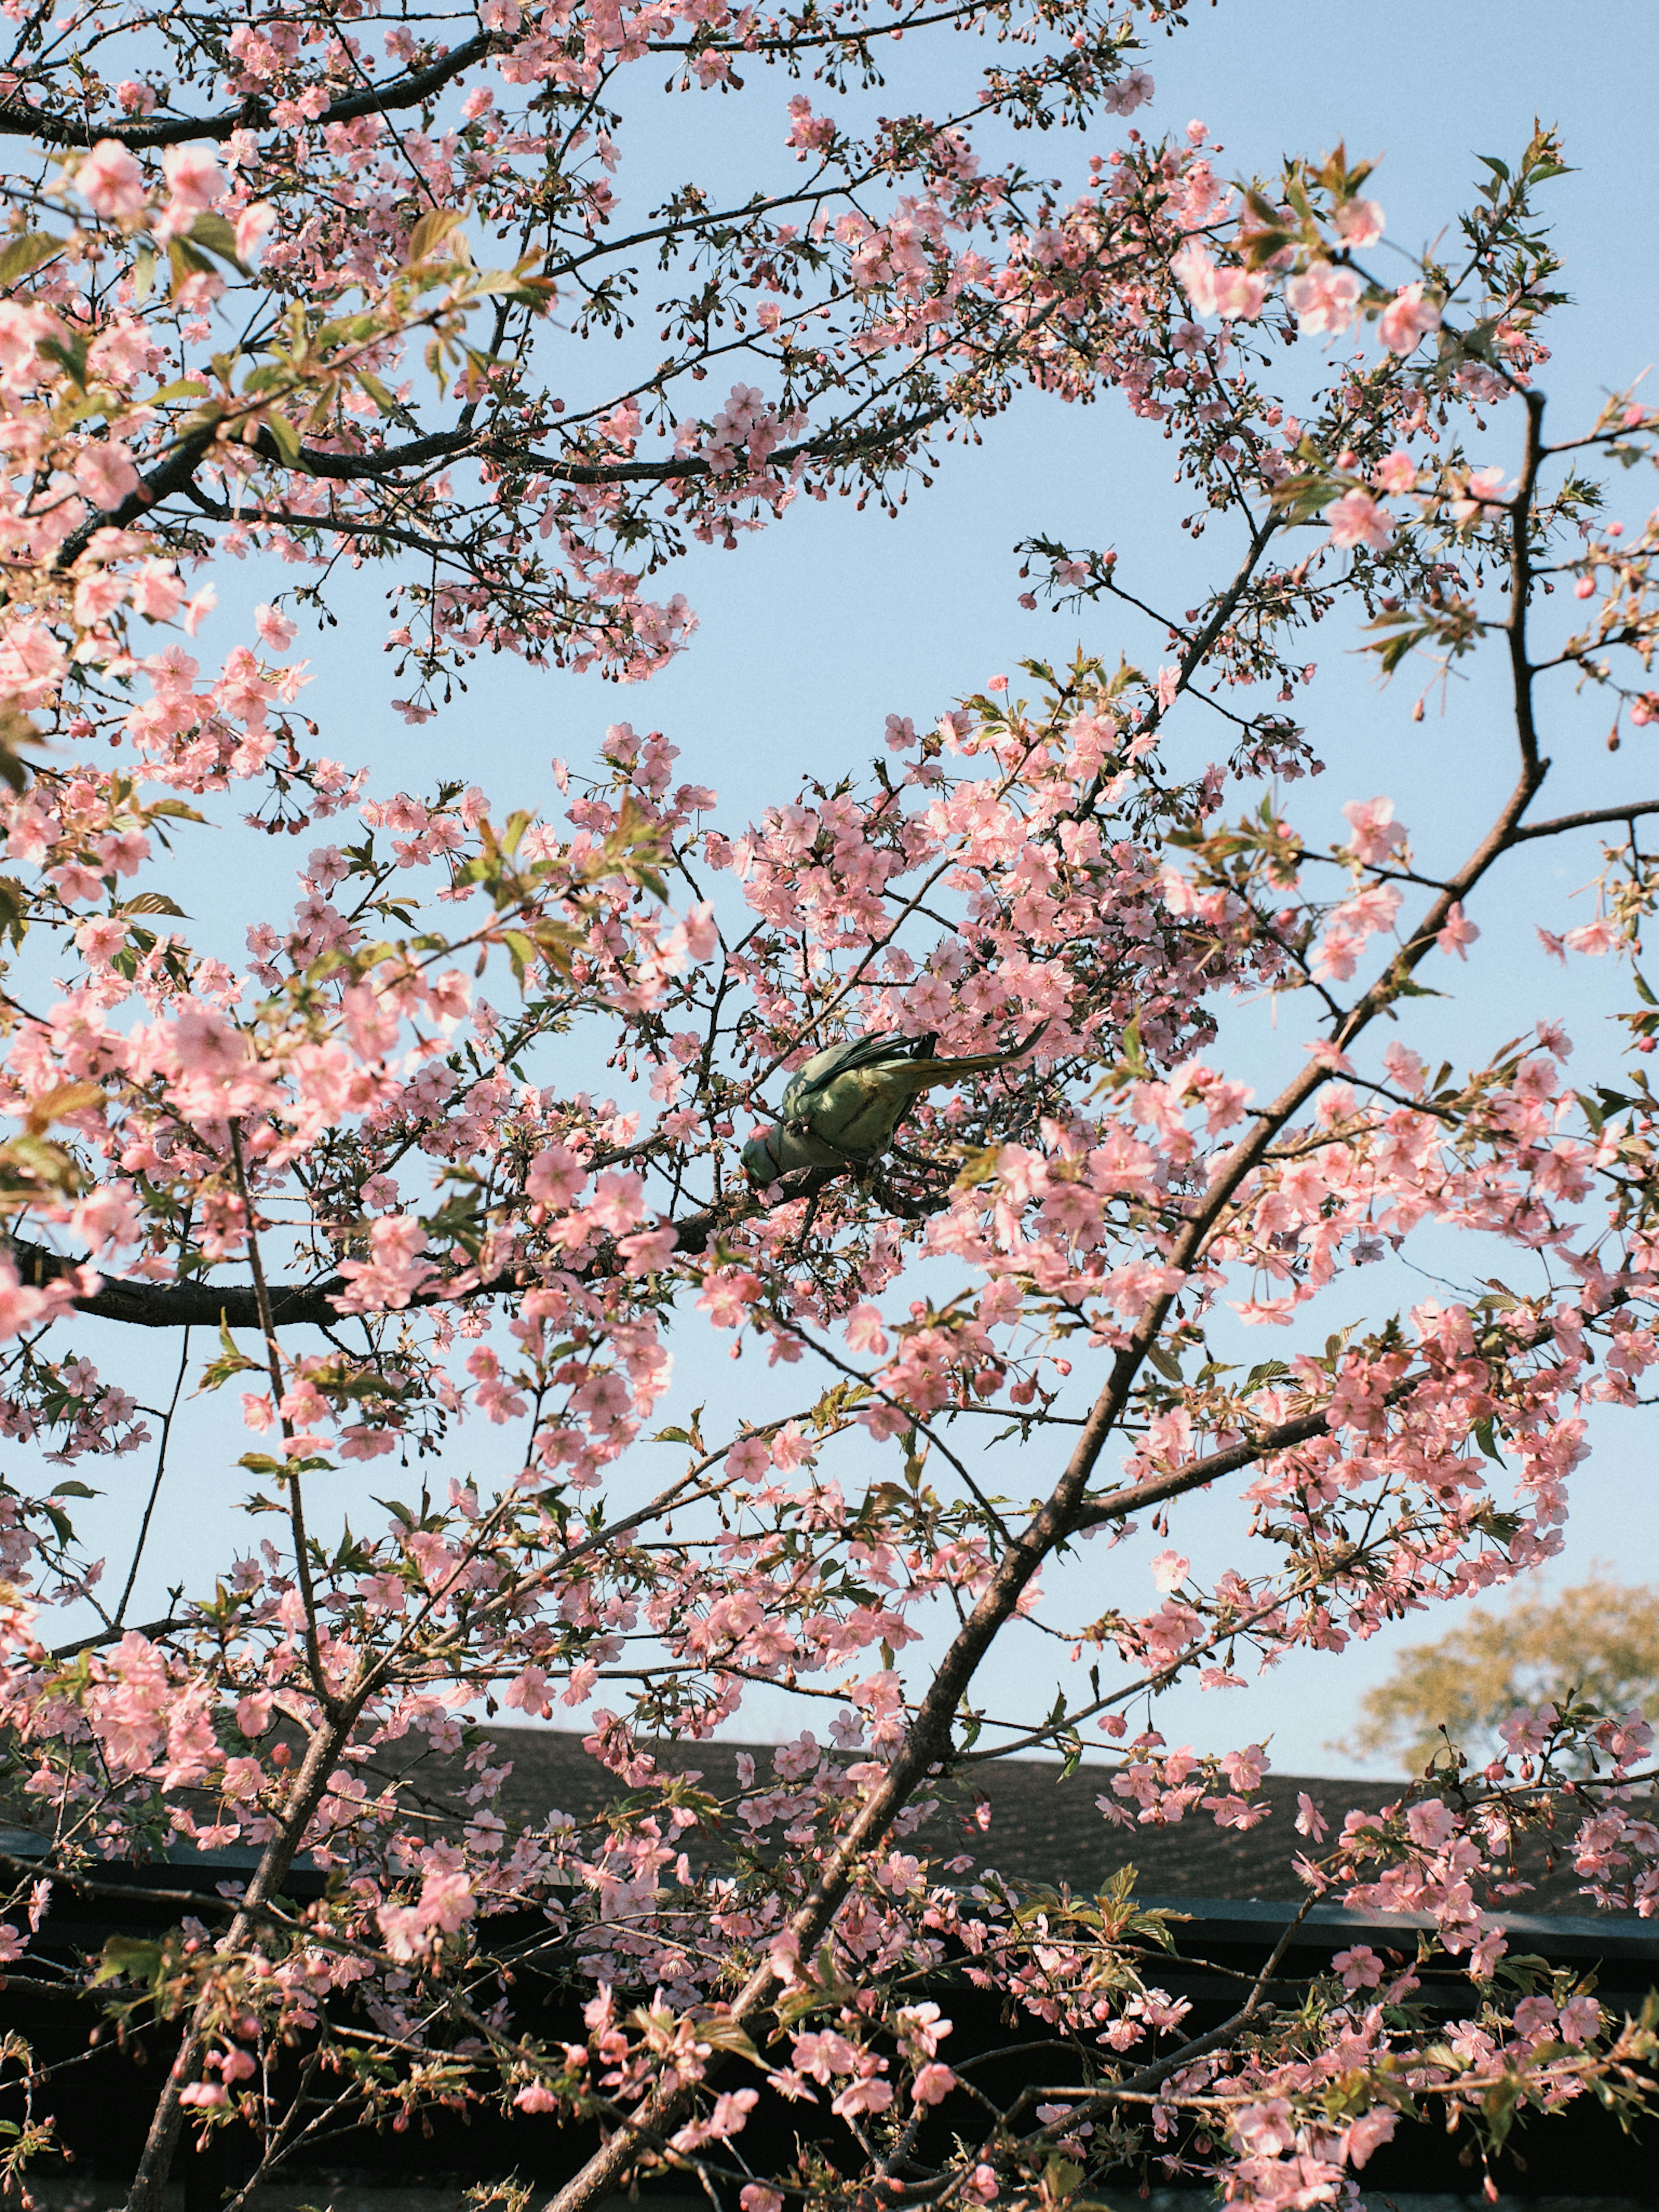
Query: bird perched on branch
(842, 1108)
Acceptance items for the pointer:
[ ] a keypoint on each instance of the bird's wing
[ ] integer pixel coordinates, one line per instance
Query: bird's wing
(840, 1060)
(866, 1051)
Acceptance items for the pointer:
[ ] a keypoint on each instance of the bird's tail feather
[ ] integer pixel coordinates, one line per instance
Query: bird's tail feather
(924, 1073)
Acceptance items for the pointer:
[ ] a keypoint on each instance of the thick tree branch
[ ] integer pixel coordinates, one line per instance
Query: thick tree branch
(1118, 1505)
(384, 461)
(1521, 520)
(1593, 818)
(19, 121)
(298, 1305)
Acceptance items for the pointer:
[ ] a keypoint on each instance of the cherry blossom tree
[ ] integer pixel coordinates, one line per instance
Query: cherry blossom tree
(301, 287)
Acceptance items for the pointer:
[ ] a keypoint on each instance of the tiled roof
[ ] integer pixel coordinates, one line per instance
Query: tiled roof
(1022, 1817)
(1040, 1829)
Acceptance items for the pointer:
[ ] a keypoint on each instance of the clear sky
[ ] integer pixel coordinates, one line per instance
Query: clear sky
(816, 629)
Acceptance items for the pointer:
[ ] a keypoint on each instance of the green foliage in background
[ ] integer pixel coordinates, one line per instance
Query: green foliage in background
(1596, 1642)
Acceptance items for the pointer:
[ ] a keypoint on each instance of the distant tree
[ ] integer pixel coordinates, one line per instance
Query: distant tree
(1595, 1644)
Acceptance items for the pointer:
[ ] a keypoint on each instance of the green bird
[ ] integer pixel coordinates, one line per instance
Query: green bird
(842, 1110)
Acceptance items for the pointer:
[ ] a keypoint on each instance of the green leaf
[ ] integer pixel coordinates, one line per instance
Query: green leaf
(1264, 1371)
(1061, 2177)
(20, 257)
(130, 1957)
(269, 376)
(377, 392)
(187, 261)
(30, 1166)
(71, 357)
(218, 1372)
(182, 387)
(727, 2035)
(219, 237)
(520, 950)
(431, 231)
(506, 285)
(152, 902)
(285, 437)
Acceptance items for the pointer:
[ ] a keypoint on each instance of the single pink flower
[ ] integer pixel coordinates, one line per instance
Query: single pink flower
(1357, 519)
(1458, 934)
(111, 181)
(1323, 298)
(1408, 316)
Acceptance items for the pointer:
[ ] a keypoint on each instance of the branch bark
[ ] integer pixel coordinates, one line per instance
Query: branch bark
(19, 121)
(296, 1305)
(150, 2181)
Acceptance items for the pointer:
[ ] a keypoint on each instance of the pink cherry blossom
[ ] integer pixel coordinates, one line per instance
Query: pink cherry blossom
(1360, 223)
(1408, 316)
(195, 182)
(1485, 488)
(1324, 298)
(1458, 931)
(111, 181)
(274, 627)
(104, 473)
(1357, 519)
(1377, 834)
(932, 2084)
(1132, 90)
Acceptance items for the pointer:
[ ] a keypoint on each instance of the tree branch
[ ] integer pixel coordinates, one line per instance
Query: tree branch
(296, 1305)
(451, 444)
(1591, 818)
(1117, 1505)
(19, 121)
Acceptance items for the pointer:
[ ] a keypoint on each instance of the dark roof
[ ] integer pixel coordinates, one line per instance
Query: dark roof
(1023, 1818)
(1041, 1828)
(1044, 1827)
(1235, 1893)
